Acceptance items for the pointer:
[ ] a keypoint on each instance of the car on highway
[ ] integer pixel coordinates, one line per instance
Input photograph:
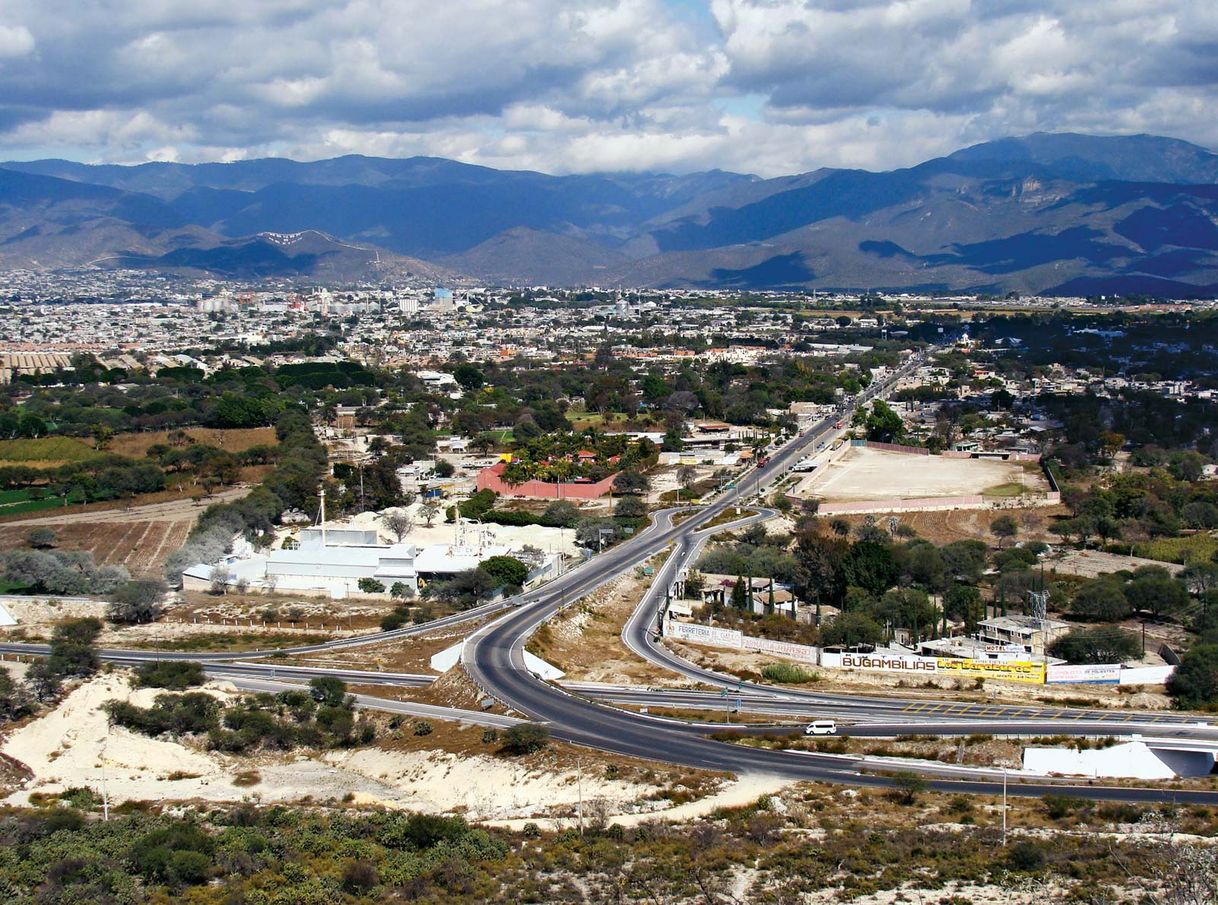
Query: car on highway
(821, 727)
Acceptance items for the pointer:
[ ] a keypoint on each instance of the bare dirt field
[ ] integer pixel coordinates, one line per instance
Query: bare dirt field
(871, 474)
(140, 537)
(231, 440)
(1090, 563)
(947, 525)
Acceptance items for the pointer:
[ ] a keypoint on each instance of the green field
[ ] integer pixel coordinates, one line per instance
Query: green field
(15, 502)
(46, 449)
(1010, 489)
(1184, 550)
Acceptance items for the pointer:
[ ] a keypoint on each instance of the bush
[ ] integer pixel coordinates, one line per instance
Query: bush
(136, 602)
(422, 727)
(1104, 644)
(393, 621)
(1194, 684)
(788, 674)
(525, 738)
(175, 674)
(1025, 856)
(371, 586)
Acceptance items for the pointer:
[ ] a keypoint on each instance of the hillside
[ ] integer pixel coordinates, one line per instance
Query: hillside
(1053, 213)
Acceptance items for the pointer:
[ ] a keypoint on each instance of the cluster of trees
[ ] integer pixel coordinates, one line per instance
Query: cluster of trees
(60, 572)
(553, 457)
(293, 484)
(1136, 507)
(322, 717)
(465, 590)
(98, 478)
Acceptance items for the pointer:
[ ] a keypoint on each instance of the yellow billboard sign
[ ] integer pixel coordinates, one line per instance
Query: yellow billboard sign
(1008, 671)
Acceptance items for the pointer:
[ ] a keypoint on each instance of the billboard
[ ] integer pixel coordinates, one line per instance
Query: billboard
(1088, 674)
(1007, 671)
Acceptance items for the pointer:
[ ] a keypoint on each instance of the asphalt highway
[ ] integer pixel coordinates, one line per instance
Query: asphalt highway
(494, 657)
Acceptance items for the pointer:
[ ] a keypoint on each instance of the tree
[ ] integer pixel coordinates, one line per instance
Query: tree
(371, 586)
(1194, 684)
(870, 565)
(72, 653)
(740, 595)
(430, 509)
(401, 591)
(328, 690)
(41, 538)
(445, 469)
(852, 630)
(964, 604)
(1156, 592)
(525, 738)
(399, 522)
(468, 377)
(1105, 644)
(508, 571)
(630, 507)
(1101, 600)
(686, 475)
(908, 786)
(883, 424)
(219, 579)
(631, 481)
(136, 602)
(1004, 528)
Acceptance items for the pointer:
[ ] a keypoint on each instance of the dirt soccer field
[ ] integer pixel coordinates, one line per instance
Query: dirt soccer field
(871, 474)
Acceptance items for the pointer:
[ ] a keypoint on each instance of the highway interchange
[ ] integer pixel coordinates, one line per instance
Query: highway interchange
(493, 656)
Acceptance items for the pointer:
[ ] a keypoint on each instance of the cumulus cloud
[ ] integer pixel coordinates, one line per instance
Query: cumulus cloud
(575, 85)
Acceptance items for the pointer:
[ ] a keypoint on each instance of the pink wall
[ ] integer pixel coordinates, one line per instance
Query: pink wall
(492, 479)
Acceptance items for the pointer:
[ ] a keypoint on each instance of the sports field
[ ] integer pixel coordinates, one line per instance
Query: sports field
(863, 473)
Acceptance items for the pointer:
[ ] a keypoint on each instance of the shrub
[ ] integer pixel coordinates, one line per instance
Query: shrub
(788, 674)
(371, 586)
(525, 738)
(423, 728)
(175, 674)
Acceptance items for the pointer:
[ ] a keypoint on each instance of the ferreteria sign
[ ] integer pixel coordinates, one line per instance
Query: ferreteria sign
(1005, 670)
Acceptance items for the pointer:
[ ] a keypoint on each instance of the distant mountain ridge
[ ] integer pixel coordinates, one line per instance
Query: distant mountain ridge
(1050, 212)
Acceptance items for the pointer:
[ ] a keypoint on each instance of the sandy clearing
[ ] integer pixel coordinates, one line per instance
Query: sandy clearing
(872, 474)
(743, 791)
(172, 511)
(74, 745)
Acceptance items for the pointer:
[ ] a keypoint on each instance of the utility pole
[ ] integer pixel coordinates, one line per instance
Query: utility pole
(1004, 806)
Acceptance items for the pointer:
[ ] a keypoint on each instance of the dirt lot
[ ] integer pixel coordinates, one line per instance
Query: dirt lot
(1090, 563)
(949, 525)
(872, 474)
(140, 537)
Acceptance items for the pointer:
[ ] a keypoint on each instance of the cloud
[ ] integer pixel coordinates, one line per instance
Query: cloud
(767, 86)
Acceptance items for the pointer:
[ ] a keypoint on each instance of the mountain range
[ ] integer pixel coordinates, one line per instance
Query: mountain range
(1052, 213)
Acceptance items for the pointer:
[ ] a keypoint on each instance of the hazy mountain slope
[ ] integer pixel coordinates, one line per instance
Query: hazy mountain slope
(1045, 212)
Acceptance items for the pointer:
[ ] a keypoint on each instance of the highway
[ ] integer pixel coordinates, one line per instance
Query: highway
(493, 656)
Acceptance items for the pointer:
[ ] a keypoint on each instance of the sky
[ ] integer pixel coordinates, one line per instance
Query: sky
(760, 86)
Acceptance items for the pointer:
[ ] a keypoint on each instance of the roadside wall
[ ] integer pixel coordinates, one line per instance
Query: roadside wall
(712, 636)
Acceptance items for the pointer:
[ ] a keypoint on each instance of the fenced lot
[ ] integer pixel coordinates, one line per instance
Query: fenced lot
(863, 473)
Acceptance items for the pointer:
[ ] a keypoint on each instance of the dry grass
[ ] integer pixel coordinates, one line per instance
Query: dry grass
(234, 440)
(140, 545)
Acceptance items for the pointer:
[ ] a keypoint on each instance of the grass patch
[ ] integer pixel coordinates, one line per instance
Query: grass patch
(1194, 548)
(1009, 490)
(788, 674)
(46, 449)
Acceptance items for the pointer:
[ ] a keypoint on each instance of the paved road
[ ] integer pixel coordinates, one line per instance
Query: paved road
(494, 657)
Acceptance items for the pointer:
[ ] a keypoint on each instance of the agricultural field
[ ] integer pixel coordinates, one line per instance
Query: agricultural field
(872, 474)
(45, 452)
